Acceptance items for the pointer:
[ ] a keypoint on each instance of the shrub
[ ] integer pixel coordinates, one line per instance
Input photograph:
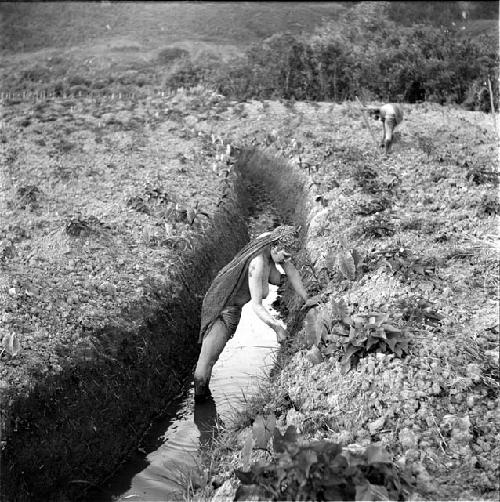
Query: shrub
(170, 54)
(28, 196)
(321, 470)
(377, 225)
(488, 206)
(78, 80)
(369, 333)
(79, 226)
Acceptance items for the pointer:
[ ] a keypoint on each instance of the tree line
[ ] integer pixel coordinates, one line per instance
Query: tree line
(364, 53)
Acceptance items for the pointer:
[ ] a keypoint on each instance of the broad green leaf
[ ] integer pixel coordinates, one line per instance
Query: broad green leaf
(371, 492)
(325, 447)
(359, 320)
(340, 331)
(311, 327)
(339, 462)
(247, 478)
(262, 430)
(371, 342)
(291, 434)
(391, 342)
(356, 258)
(346, 265)
(350, 350)
(389, 328)
(359, 340)
(381, 318)
(324, 332)
(380, 334)
(11, 344)
(337, 492)
(307, 457)
(259, 432)
(377, 453)
(249, 492)
(340, 310)
(246, 452)
(345, 367)
(280, 441)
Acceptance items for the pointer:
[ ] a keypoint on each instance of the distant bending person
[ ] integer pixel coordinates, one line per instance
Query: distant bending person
(391, 116)
(245, 278)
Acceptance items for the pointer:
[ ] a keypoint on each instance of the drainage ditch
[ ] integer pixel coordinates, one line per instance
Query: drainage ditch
(71, 429)
(165, 460)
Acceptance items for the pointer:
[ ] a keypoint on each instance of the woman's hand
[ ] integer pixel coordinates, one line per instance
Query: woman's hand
(280, 333)
(280, 256)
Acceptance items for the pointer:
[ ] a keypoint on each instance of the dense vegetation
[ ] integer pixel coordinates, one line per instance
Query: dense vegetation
(322, 52)
(365, 53)
(441, 13)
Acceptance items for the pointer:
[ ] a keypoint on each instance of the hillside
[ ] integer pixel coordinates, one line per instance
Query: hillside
(33, 26)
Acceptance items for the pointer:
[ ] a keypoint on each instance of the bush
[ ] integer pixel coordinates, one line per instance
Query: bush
(357, 56)
(78, 80)
(170, 54)
(322, 470)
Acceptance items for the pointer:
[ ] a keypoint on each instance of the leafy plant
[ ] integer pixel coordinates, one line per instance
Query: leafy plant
(170, 54)
(377, 225)
(370, 332)
(11, 344)
(419, 310)
(321, 470)
(28, 196)
(413, 268)
(138, 204)
(425, 144)
(350, 263)
(365, 333)
(372, 206)
(80, 226)
(7, 250)
(320, 325)
(488, 206)
(480, 174)
(366, 177)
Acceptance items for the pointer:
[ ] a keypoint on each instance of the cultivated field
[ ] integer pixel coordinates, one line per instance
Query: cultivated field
(102, 201)
(120, 199)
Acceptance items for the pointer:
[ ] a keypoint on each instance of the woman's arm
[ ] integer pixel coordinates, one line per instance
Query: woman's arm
(294, 278)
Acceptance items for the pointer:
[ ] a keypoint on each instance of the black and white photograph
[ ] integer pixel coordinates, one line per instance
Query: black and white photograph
(249, 251)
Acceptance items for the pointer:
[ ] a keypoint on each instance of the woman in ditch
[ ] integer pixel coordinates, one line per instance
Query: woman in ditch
(245, 278)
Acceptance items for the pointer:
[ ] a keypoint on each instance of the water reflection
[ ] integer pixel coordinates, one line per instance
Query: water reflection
(205, 418)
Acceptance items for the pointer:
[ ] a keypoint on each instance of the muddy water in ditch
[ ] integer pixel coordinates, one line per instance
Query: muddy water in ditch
(160, 469)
